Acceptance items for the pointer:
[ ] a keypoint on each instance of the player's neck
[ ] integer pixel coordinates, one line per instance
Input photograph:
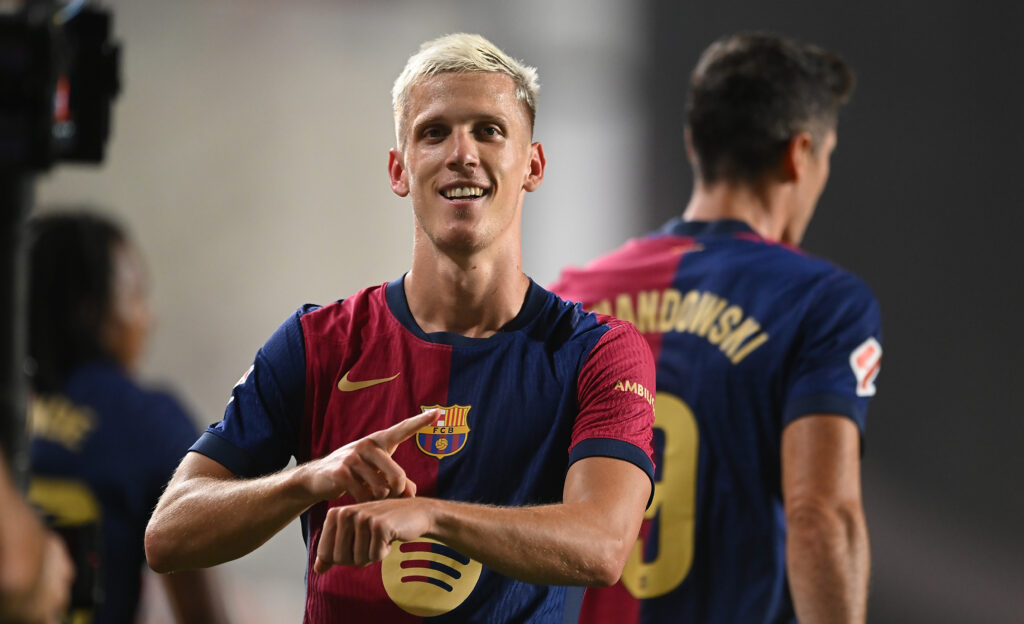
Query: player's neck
(473, 298)
(762, 208)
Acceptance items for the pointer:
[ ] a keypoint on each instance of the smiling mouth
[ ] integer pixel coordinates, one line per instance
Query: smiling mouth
(464, 193)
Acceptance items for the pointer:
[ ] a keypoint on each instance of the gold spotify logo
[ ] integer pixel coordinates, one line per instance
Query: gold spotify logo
(427, 578)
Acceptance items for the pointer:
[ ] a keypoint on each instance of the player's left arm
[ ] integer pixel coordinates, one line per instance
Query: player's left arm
(584, 540)
(838, 361)
(827, 552)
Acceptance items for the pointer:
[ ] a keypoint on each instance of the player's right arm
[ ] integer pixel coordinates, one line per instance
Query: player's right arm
(207, 516)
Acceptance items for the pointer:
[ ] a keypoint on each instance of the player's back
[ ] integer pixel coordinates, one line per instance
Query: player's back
(731, 319)
(102, 451)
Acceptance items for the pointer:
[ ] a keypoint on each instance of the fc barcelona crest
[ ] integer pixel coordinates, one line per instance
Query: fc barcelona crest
(448, 434)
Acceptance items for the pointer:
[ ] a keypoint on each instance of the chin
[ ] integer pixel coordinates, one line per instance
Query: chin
(457, 241)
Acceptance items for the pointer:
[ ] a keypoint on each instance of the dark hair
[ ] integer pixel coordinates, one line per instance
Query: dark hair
(70, 293)
(751, 93)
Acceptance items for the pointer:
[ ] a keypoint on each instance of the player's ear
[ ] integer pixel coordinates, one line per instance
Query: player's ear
(535, 175)
(691, 154)
(798, 156)
(396, 173)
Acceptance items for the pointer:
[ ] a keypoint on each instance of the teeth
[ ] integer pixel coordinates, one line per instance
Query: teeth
(464, 191)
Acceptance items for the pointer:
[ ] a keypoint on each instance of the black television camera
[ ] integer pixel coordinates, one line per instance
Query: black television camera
(58, 78)
(59, 74)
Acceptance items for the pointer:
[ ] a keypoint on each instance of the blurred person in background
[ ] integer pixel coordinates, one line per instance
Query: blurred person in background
(766, 357)
(102, 446)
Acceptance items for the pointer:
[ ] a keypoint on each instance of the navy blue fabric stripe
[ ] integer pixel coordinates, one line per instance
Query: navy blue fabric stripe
(573, 605)
(532, 305)
(223, 452)
(678, 227)
(825, 404)
(608, 447)
(394, 294)
(287, 354)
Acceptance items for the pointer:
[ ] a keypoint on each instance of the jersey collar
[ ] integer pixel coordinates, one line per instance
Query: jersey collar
(720, 227)
(394, 292)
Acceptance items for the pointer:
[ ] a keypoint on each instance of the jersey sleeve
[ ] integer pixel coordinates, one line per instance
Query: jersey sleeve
(260, 430)
(839, 355)
(615, 392)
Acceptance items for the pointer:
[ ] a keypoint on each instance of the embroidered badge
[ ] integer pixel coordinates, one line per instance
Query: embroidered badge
(448, 434)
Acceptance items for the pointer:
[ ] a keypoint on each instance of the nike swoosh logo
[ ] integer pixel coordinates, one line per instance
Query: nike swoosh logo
(345, 385)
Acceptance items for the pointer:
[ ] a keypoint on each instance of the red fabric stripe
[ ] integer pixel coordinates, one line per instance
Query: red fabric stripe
(359, 336)
(610, 605)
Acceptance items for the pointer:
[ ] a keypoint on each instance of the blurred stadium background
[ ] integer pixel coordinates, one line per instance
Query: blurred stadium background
(248, 159)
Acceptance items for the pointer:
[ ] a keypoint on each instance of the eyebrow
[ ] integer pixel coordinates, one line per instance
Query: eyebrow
(444, 120)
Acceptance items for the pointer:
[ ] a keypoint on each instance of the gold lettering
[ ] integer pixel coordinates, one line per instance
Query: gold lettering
(62, 422)
(727, 320)
(708, 310)
(647, 312)
(624, 309)
(686, 311)
(602, 307)
(669, 307)
(756, 342)
(636, 388)
(704, 314)
(731, 343)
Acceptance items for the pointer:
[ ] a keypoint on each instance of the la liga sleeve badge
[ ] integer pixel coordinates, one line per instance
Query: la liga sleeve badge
(866, 361)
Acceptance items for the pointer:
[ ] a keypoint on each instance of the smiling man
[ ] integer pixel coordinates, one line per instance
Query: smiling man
(529, 464)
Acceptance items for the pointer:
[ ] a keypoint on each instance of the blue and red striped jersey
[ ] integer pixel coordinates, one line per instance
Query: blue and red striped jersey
(554, 386)
(747, 336)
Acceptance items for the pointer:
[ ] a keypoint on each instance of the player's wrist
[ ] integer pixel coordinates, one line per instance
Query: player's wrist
(442, 518)
(304, 483)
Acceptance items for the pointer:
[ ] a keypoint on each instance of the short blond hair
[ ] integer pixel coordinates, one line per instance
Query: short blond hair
(461, 53)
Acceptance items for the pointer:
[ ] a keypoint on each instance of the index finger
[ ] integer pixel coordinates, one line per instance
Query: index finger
(390, 438)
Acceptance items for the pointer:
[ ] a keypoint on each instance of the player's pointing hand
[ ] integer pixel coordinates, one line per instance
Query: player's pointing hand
(364, 468)
(390, 438)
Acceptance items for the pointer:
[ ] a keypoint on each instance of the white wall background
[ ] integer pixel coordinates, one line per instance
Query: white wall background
(248, 159)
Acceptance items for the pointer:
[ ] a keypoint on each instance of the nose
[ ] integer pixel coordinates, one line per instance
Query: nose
(464, 154)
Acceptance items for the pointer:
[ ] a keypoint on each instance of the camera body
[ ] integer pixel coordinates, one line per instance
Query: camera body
(58, 79)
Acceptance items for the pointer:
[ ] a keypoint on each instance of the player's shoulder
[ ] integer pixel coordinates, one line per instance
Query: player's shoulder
(359, 308)
(571, 336)
(359, 302)
(815, 274)
(833, 297)
(833, 280)
(566, 321)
